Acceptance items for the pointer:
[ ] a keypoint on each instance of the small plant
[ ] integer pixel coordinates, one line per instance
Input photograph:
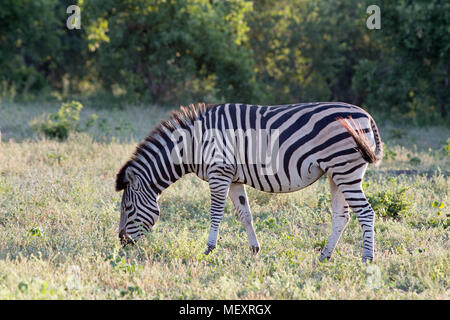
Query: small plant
(66, 120)
(324, 201)
(131, 291)
(91, 121)
(436, 222)
(119, 263)
(57, 157)
(391, 203)
(124, 126)
(446, 148)
(22, 286)
(104, 126)
(389, 154)
(269, 223)
(413, 160)
(437, 204)
(35, 232)
(320, 244)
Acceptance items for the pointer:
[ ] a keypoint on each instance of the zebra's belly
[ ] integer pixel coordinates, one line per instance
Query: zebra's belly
(301, 183)
(277, 183)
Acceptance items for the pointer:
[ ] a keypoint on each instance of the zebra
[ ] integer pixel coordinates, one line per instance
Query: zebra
(312, 139)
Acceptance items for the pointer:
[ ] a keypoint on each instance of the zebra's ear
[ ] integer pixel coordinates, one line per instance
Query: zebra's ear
(130, 177)
(120, 179)
(124, 177)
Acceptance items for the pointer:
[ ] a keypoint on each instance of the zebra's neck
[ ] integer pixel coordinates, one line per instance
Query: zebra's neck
(164, 158)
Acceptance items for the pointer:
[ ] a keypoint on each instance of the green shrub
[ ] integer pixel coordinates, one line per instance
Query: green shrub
(413, 160)
(66, 120)
(390, 203)
(35, 232)
(131, 291)
(389, 154)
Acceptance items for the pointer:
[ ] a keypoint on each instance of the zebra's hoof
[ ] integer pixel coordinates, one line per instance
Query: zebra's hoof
(320, 259)
(209, 249)
(254, 249)
(367, 259)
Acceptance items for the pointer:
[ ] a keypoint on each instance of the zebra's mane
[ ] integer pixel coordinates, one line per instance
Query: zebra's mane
(181, 118)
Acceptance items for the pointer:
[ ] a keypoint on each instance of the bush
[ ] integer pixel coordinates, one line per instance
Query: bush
(390, 203)
(66, 120)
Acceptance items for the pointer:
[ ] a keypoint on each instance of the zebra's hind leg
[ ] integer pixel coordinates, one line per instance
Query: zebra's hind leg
(340, 219)
(349, 182)
(219, 187)
(238, 196)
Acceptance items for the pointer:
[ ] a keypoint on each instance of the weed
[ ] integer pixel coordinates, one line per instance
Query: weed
(104, 126)
(22, 286)
(131, 291)
(391, 203)
(66, 120)
(269, 223)
(446, 148)
(389, 154)
(413, 160)
(35, 232)
(320, 244)
(437, 204)
(120, 263)
(324, 201)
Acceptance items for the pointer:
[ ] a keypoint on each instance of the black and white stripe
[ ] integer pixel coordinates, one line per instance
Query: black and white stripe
(313, 139)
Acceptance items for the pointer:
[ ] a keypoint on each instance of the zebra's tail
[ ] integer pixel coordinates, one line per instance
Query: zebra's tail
(358, 134)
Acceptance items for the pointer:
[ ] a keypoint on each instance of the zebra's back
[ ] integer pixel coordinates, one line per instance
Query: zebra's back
(287, 147)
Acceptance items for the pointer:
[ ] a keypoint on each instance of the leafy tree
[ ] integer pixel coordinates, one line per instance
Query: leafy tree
(410, 77)
(308, 50)
(265, 51)
(168, 48)
(25, 43)
(36, 48)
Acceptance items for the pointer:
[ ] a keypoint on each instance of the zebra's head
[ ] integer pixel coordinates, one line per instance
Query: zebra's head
(139, 210)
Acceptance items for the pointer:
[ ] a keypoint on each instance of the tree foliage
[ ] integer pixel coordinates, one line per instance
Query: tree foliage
(169, 48)
(266, 51)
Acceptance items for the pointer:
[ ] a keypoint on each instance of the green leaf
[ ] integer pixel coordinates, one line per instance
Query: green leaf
(437, 204)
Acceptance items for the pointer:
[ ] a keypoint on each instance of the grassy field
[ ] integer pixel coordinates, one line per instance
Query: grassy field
(59, 218)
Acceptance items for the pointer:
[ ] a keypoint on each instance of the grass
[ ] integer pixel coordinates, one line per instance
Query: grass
(59, 217)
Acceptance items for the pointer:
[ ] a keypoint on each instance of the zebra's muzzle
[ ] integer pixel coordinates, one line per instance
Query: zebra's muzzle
(124, 238)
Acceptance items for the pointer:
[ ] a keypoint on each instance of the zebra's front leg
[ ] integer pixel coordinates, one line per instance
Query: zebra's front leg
(218, 187)
(239, 198)
(340, 218)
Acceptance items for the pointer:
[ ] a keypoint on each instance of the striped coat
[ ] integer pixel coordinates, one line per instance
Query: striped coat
(270, 148)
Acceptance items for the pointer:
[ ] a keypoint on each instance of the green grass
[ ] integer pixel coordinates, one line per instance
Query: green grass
(59, 216)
